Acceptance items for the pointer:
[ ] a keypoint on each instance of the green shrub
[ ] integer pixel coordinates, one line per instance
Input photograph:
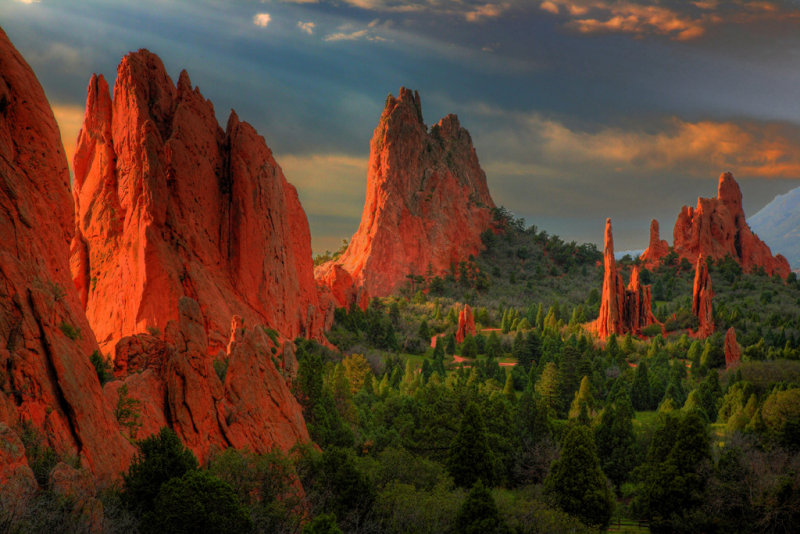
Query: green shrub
(70, 331)
(101, 366)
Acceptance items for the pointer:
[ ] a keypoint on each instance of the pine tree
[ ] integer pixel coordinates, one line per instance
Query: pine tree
(540, 317)
(640, 391)
(548, 387)
(479, 515)
(493, 348)
(450, 348)
(583, 399)
(470, 458)
(576, 483)
(508, 389)
(616, 440)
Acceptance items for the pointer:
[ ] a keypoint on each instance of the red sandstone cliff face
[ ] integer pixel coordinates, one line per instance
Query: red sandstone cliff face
(622, 309)
(702, 294)
(733, 353)
(427, 201)
(170, 205)
(174, 380)
(466, 324)
(45, 340)
(717, 228)
(657, 249)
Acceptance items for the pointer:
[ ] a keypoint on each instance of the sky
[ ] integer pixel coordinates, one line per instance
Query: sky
(578, 109)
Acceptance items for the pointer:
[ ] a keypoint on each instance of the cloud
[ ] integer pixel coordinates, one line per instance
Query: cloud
(347, 32)
(262, 19)
(485, 11)
(28, 1)
(752, 149)
(682, 21)
(299, 1)
(307, 27)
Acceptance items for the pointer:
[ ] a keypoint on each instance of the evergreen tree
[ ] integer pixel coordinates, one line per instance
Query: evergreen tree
(673, 485)
(160, 458)
(450, 348)
(469, 349)
(493, 348)
(479, 515)
(540, 317)
(548, 387)
(640, 391)
(576, 484)
(470, 458)
(616, 440)
(519, 348)
(424, 332)
(197, 502)
(583, 399)
(508, 389)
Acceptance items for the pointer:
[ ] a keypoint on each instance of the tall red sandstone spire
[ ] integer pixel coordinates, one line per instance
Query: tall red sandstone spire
(45, 340)
(170, 205)
(622, 309)
(657, 249)
(702, 294)
(427, 202)
(717, 228)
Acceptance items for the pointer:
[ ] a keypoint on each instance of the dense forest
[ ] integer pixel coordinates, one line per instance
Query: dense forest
(530, 425)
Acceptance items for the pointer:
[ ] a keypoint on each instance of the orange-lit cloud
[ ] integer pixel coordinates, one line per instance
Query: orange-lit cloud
(262, 19)
(485, 11)
(678, 21)
(70, 120)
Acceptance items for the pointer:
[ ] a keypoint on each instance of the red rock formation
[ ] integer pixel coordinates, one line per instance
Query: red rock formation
(717, 228)
(638, 306)
(657, 249)
(702, 294)
(427, 201)
(466, 324)
(733, 353)
(170, 205)
(341, 285)
(45, 340)
(174, 379)
(622, 310)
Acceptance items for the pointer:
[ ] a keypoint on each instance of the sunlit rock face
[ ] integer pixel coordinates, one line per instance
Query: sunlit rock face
(717, 228)
(173, 378)
(702, 295)
(47, 381)
(657, 249)
(733, 352)
(168, 204)
(427, 202)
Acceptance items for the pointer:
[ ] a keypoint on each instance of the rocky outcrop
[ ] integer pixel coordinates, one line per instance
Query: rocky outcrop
(733, 353)
(427, 201)
(622, 310)
(466, 324)
(638, 305)
(174, 381)
(335, 279)
(702, 294)
(170, 205)
(45, 340)
(717, 228)
(658, 248)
